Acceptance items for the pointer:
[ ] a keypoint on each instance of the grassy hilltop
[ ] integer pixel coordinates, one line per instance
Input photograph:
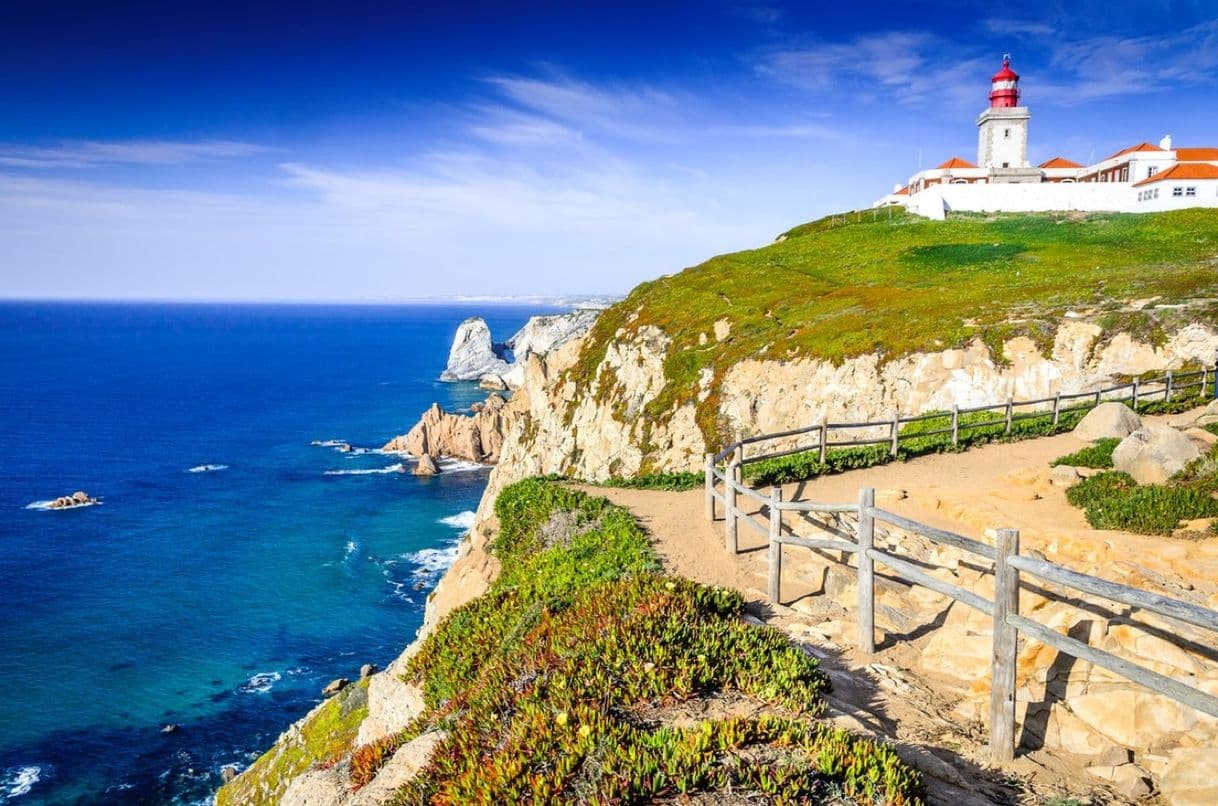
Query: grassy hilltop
(896, 284)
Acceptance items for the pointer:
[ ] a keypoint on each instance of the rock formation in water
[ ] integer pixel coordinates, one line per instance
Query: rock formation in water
(473, 354)
(476, 437)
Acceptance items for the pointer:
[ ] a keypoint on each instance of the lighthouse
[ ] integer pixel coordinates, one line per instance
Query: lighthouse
(1002, 137)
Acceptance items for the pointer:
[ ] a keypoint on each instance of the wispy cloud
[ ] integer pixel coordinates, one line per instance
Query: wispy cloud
(95, 153)
(633, 113)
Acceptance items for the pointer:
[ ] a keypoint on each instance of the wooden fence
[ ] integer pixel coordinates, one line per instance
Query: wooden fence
(726, 485)
(829, 436)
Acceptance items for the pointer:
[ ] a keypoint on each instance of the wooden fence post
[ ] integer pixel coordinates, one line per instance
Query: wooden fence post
(1002, 691)
(1205, 379)
(775, 546)
(1010, 412)
(729, 507)
(1216, 378)
(1097, 396)
(1170, 383)
(1135, 394)
(1057, 408)
(824, 439)
(955, 425)
(710, 487)
(866, 538)
(896, 431)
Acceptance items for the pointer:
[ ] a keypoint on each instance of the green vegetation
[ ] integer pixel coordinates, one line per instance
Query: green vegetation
(975, 428)
(325, 737)
(856, 285)
(1097, 455)
(668, 482)
(562, 683)
(1113, 500)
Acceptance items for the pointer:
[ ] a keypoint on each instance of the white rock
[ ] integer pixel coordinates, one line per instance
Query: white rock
(1154, 453)
(1110, 419)
(473, 354)
(1064, 476)
(541, 334)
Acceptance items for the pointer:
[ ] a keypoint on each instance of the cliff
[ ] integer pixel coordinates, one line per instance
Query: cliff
(834, 321)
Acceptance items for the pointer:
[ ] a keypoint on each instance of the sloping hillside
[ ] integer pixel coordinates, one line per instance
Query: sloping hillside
(865, 283)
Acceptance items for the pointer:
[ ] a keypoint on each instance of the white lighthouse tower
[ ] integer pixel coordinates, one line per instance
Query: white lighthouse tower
(1002, 137)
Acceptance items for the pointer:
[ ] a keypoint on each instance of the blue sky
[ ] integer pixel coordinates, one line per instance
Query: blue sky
(384, 151)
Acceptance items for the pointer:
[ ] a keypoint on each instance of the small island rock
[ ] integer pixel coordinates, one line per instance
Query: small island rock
(473, 354)
(427, 466)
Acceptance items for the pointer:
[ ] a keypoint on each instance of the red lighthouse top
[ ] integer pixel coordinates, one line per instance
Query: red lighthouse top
(1004, 86)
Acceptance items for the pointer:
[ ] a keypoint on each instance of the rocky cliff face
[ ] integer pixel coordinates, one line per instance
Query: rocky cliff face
(473, 354)
(603, 423)
(476, 437)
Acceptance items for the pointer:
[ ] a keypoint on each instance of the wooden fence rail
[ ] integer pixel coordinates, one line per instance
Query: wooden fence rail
(725, 485)
(829, 435)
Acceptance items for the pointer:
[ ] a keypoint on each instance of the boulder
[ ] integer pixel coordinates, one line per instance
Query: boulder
(1154, 453)
(228, 772)
(1209, 416)
(334, 686)
(1064, 476)
(1108, 420)
(426, 466)
(1191, 777)
(367, 670)
(473, 354)
(81, 497)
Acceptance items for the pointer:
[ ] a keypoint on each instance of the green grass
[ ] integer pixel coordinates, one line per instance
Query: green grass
(844, 287)
(1113, 500)
(667, 482)
(545, 682)
(1098, 455)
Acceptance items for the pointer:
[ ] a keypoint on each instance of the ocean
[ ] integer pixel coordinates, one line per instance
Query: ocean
(233, 567)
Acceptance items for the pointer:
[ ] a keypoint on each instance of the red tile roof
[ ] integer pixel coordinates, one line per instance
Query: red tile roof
(957, 162)
(903, 191)
(1183, 170)
(1060, 162)
(1132, 149)
(1197, 154)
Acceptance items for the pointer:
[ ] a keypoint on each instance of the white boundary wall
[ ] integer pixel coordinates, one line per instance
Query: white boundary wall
(936, 201)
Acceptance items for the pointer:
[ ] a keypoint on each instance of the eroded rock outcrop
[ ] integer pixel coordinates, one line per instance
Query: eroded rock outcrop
(476, 437)
(473, 354)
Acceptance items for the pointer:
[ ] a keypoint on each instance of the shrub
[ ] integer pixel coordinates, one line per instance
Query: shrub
(1097, 455)
(1113, 500)
(540, 681)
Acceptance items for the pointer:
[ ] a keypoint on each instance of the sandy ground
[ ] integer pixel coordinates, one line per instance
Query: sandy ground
(968, 493)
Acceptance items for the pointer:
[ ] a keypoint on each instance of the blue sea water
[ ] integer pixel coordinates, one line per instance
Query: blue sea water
(220, 600)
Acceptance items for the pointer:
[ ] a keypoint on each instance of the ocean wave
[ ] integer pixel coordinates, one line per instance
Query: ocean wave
(430, 563)
(328, 443)
(462, 520)
(368, 471)
(45, 506)
(260, 683)
(206, 468)
(459, 466)
(18, 781)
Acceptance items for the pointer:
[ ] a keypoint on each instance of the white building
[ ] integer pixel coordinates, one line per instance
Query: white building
(1138, 179)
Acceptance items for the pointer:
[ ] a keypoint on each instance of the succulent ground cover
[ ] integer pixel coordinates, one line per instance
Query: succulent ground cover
(862, 284)
(544, 685)
(807, 465)
(1113, 500)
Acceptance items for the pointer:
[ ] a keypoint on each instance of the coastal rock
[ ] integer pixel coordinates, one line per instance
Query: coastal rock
(1154, 453)
(473, 354)
(541, 334)
(1108, 420)
(1191, 777)
(426, 466)
(367, 670)
(402, 766)
(228, 772)
(477, 437)
(76, 499)
(335, 686)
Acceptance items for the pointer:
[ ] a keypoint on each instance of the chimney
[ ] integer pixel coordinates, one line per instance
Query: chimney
(1165, 143)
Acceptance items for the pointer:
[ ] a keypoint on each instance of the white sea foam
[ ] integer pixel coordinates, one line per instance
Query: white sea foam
(430, 563)
(459, 466)
(368, 471)
(328, 443)
(260, 683)
(18, 781)
(45, 506)
(462, 520)
(206, 468)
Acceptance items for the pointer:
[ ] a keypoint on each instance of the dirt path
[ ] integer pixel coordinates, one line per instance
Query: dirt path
(979, 490)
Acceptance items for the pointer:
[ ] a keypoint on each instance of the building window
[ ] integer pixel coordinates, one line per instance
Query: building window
(1006, 165)
(1177, 191)
(1151, 171)
(1190, 191)
(1006, 133)
(1125, 174)
(1156, 193)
